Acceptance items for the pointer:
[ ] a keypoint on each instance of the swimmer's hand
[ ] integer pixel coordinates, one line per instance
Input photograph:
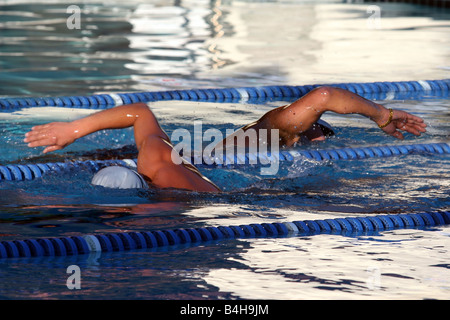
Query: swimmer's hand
(401, 120)
(55, 136)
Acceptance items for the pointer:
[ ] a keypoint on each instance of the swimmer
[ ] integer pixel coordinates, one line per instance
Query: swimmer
(294, 122)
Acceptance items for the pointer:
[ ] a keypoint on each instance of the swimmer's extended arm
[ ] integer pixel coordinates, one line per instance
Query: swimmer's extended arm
(58, 135)
(303, 113)
(155, 150)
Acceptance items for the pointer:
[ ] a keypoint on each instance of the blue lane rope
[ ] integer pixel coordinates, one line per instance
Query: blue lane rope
(399, 90)
(125, 241)
(22, 172)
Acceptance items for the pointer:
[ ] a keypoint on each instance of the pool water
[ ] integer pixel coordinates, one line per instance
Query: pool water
(116, 52)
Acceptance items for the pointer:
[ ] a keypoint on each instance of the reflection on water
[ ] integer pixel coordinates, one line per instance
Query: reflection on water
(116, 47)
(386, 266)
(146, 45)
(333, 267)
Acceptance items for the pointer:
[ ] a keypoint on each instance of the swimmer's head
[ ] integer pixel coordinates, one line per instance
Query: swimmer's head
(318, 132)
(326, 128)
(119, 178)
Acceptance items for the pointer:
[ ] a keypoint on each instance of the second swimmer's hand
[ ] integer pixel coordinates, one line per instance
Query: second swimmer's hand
(404, 121)
(55, 136)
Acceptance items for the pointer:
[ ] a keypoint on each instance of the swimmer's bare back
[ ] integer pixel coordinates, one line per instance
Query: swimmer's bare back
(155, 157)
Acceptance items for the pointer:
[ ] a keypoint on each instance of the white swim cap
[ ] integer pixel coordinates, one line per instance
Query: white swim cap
(119, 177)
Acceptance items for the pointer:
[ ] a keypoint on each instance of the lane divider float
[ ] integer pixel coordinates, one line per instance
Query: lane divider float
(397, 90)
(125, 241)
(23, 172)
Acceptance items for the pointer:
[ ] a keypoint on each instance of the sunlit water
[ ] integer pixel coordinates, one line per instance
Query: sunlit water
(135, 46)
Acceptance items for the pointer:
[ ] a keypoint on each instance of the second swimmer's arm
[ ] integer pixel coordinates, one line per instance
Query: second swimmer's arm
(303, 113)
